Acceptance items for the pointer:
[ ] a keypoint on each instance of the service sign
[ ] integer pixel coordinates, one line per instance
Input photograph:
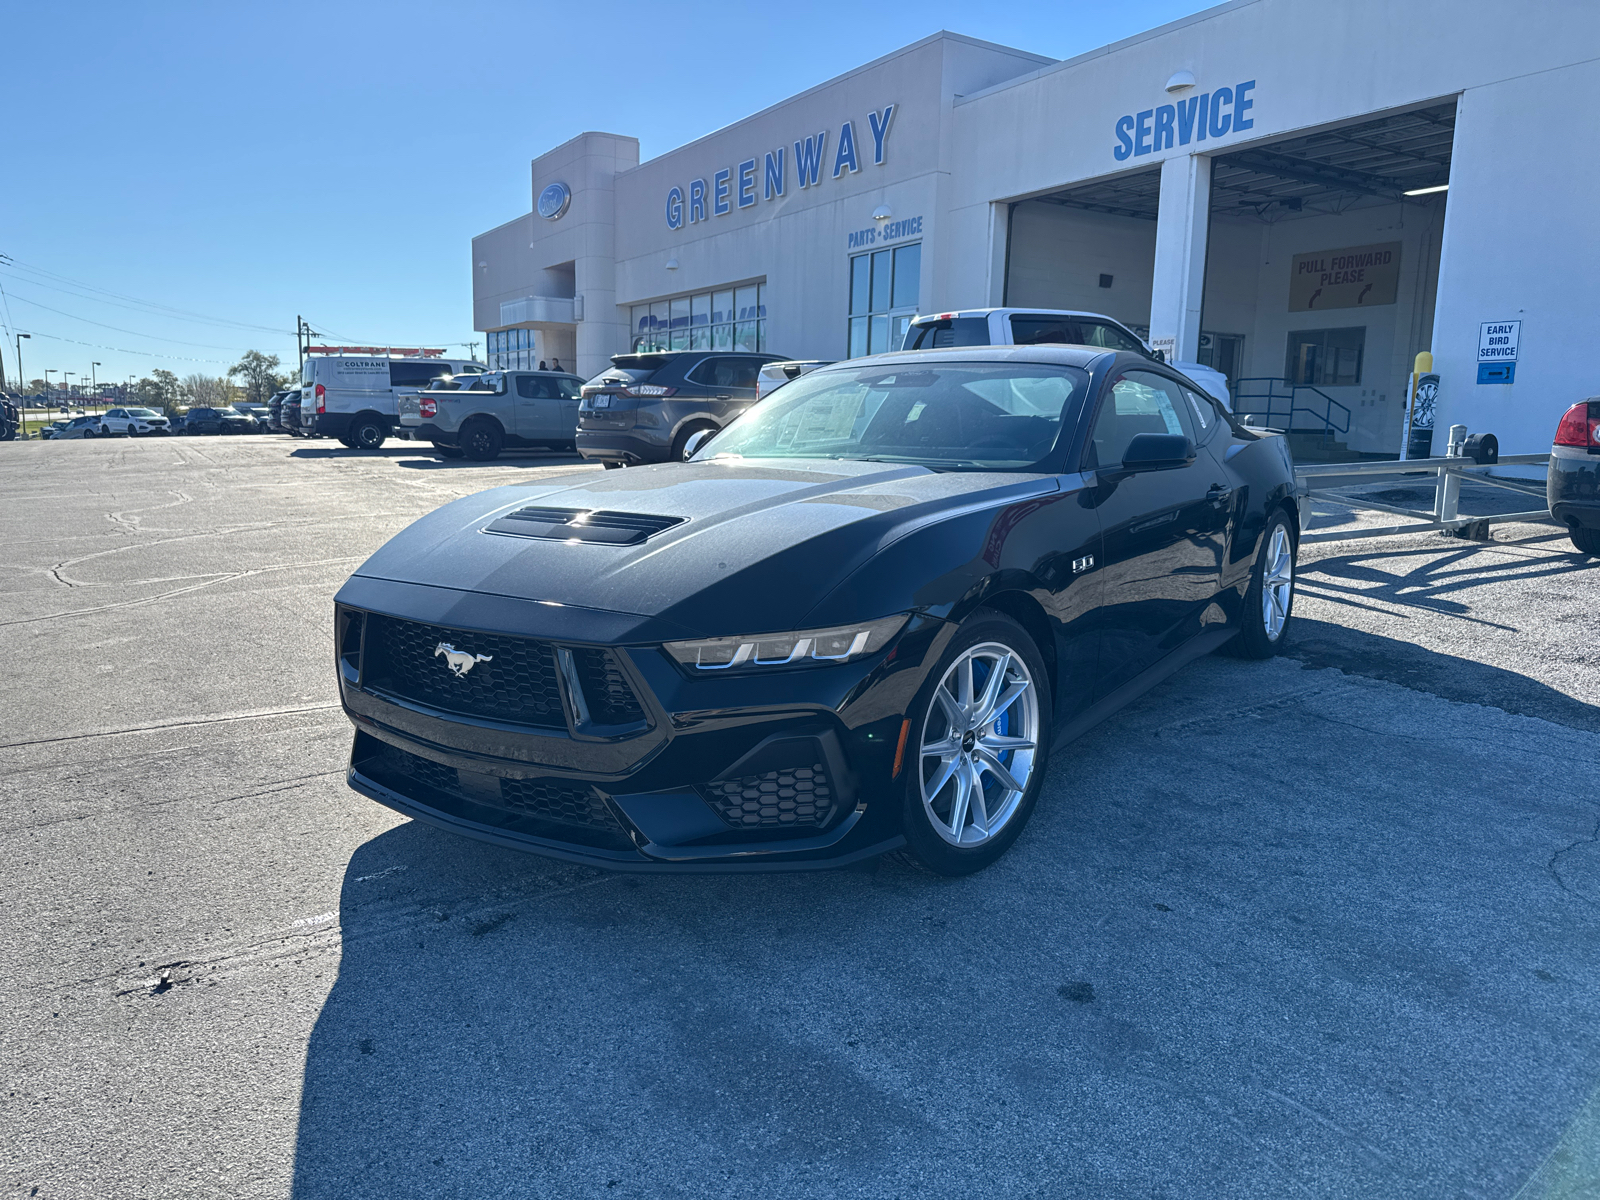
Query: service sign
(1356, 277)
(1497, 341)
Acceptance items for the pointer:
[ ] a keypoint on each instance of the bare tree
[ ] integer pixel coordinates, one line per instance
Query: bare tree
(207, 391)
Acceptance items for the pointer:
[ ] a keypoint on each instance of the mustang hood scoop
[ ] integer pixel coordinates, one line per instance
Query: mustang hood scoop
(582, 525)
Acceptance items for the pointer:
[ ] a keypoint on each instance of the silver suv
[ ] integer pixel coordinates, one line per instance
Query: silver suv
(477, 416)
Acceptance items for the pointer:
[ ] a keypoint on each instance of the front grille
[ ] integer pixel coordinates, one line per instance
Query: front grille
(552, 808)
(556, 800)
(792, 797)
(605, 688)
(510, 679)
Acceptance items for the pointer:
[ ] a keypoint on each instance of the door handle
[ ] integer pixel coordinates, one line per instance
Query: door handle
(1219, 494)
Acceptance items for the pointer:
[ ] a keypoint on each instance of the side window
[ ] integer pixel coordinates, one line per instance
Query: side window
(1100, 333)
(570, 388)
(536, 387)
(1138, 402)
(1041, 329)
(416, 374)
(953, 331)
(726, 373)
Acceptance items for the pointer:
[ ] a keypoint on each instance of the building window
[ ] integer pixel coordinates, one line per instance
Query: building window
(511, 350)
(1325, 357)
(732, 319)
(884, 285)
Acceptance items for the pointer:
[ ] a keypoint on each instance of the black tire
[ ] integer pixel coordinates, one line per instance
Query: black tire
(105, 431)
(1256, 637)
(1587, 541)
(680, 443)
(448, 451)
(366, 433)
(925, 845)
(344, 440)
(481, 440)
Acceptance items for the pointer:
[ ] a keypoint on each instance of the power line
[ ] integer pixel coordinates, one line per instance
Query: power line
(15, 265)
(136, 333)
(220, 362)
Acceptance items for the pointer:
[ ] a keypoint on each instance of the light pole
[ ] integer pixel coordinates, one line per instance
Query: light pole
(94, 383)
(67, 375)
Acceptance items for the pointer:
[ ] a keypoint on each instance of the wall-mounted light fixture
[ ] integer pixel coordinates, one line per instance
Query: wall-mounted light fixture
(672, 264)
(1180, 81)
(882, 213)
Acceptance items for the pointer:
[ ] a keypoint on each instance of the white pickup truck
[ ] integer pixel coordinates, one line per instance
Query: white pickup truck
(1047, 326)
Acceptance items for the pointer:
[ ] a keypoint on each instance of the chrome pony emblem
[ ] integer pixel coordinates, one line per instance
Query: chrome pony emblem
(459, 661)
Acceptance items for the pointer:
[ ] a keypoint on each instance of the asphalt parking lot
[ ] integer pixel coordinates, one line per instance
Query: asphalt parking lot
(1325, 926)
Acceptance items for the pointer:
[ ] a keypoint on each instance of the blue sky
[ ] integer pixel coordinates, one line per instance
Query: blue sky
(244, 163)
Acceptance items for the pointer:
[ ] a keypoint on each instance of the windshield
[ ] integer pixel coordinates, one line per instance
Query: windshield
(141, 412)
(987, 416)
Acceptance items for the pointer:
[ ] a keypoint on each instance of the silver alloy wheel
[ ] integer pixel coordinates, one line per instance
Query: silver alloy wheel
(1277, 583)
(979, 741)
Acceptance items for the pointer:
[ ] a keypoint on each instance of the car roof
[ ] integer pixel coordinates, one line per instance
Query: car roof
(1063, 355)
(1043, 312)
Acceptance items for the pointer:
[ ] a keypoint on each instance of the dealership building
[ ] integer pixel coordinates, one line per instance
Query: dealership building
(1303, 195)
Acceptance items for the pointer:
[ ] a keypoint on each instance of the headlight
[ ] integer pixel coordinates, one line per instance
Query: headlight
(838, 643)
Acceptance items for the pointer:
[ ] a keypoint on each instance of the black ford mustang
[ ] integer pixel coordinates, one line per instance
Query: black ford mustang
(859, 619)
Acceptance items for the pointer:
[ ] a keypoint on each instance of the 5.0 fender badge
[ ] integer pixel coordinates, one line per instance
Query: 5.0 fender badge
(459, 661)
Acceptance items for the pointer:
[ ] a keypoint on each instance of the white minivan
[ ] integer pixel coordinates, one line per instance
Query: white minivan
(352, 396)
(1047, 326)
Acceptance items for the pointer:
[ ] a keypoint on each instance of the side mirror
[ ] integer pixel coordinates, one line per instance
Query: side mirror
(697, 441)
(1159, 355)
(1158, 452)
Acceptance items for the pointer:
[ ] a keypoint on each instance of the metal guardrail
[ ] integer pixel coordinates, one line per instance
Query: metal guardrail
(1283, 399)
(1314, 479)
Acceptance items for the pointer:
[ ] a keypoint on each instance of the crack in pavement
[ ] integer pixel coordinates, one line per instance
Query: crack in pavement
(252, 715)
(1594, 836)
(282, 785)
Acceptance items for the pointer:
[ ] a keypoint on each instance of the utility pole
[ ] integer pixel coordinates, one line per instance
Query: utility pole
(472, 351)
(22, 386)
(299, 350)
(94, 383)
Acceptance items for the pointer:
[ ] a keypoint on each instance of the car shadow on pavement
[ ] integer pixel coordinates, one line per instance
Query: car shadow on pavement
(1435, 569)
(1463, 680)
(1207, 968)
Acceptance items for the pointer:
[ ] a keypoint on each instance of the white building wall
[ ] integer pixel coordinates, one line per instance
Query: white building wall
(1520, 244)
(1063, 252)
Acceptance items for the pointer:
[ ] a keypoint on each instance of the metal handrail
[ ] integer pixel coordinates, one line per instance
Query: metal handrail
(1281, 389)
(1314, 481)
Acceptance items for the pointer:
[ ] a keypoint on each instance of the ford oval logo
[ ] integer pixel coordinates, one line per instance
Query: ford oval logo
(553, 201)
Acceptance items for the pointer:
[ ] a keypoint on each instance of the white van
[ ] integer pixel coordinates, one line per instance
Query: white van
(1047, 326)
(352, 396)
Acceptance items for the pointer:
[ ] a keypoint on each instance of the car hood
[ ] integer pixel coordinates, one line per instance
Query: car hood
(756, 547)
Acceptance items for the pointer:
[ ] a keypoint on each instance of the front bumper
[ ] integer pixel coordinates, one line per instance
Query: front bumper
(1573, 488)
(786, 770)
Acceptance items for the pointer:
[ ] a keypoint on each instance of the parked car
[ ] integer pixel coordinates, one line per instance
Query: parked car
(10, 419)
(48, 433)
(275, 409)
(257, 413)
(206, 420)
(859, 620)
(1573, 483)
(78, 427)
(290, 415)
(133, 422)
(479, 415)
(353, 397)
(1048, 327)
(775, 374)
(645, 407)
